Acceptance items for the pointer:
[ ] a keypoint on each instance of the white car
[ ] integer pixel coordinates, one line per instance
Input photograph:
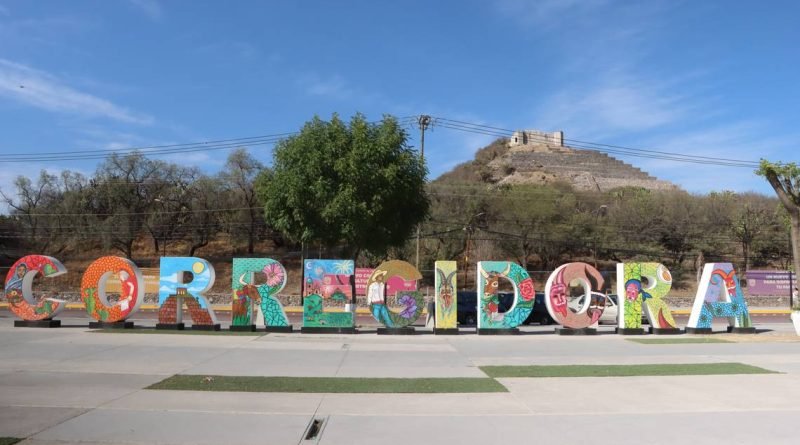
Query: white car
(609, 302)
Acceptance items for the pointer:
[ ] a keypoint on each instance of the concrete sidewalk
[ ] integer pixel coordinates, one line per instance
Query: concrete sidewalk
(72, 386)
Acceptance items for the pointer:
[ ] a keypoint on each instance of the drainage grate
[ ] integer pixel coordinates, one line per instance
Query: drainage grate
(313, 430)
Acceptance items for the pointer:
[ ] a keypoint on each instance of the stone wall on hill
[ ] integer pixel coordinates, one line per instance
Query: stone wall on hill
(544, 159)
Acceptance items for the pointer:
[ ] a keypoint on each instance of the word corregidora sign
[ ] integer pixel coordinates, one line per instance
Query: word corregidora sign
(184, 281)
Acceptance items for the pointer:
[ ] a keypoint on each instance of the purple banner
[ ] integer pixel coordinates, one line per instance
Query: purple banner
(769, 282)
(393, 286)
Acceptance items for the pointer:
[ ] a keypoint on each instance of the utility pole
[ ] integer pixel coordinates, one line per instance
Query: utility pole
(424, 120)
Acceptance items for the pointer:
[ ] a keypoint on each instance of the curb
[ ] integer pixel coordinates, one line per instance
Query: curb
(299, 309)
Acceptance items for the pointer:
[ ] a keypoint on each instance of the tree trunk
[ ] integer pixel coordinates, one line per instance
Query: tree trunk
(196, 246)
(251, 236)
(746, 254)
(128, 249)
(795, 219)
(789, 202)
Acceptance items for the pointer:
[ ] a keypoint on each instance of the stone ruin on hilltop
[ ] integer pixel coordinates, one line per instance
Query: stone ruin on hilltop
(535, 157)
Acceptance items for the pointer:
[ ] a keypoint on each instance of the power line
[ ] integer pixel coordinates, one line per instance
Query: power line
(608, 148)
(157, 150)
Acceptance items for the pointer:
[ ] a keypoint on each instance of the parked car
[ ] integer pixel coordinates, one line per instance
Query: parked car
(609, 302)
(467, 303)
(467, 307)
(540, 314)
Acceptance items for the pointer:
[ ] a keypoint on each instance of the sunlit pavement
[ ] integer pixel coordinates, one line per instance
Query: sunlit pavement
(69, 385)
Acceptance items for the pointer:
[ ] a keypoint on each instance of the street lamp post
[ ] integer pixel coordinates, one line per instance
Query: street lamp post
(423, 121)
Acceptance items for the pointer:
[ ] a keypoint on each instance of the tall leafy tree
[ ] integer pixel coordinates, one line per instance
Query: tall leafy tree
(359, 184)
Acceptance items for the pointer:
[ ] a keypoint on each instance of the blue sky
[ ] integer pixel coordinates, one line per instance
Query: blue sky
(714, 78)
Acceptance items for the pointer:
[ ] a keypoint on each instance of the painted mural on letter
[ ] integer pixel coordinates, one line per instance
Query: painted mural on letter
(411, 302)
(93, 289)
(446, 303)
(19, 288)
(327, 280)
(644, 286)
(719, 296)
(173, 290)
(489, 275)
(257, 304)
(557, 295)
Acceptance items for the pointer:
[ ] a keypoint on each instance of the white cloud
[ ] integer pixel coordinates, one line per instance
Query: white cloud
(151, 8)
(198, 159)
(334, 87)
(172, 278)
(546, 12)
(45, 91)
(618, 104)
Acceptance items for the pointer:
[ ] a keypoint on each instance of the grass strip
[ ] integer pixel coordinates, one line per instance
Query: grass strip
(676, 341)
(623, 370)
(9, 440)
(176, 332)
(337, 385)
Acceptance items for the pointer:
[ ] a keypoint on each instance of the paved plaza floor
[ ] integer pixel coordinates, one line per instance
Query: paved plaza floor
(70, 385)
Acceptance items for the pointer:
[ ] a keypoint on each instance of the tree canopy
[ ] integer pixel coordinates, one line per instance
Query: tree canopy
(356, 184)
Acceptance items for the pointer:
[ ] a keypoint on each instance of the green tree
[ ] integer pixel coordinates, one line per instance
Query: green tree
(785, 180)
(358, 184)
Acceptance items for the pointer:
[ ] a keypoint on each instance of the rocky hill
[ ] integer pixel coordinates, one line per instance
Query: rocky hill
(531, 157)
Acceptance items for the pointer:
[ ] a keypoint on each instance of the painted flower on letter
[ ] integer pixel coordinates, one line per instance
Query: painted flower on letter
(274, 274)
(410, 306)
(526, 289)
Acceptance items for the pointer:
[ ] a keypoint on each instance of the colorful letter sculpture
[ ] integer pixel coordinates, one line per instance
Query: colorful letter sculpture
(174, 291)
(644, 286)
(246, 295)
(411, 301)
(557, 295)
(719, 295)
(490, 319)
(327, 280)
(446, 320)
(93, 291)
(19, 291)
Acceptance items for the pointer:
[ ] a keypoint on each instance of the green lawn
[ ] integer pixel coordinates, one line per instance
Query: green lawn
(677, 341)
(329, 384)
(9, 440)
(622, 370)
(177, 332)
